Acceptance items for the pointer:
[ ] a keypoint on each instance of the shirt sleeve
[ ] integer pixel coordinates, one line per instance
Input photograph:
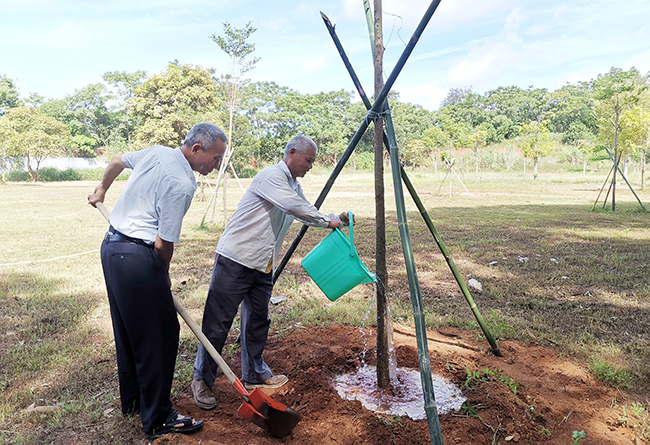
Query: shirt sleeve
(275, 189)
(171, 209)
(132, 158)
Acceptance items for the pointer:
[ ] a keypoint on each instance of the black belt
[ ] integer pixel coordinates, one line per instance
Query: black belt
(113, 236)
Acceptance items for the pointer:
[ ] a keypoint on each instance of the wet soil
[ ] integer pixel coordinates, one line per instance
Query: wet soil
(552, 398)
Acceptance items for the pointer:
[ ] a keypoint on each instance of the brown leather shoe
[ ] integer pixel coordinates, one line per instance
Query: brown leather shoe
(273, 382)
(203, 396)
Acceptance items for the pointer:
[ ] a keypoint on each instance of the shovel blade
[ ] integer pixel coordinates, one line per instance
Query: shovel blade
(269, 414)
(249, 412)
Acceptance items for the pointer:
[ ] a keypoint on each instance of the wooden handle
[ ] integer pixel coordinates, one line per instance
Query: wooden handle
(102, 208)
(204, 341)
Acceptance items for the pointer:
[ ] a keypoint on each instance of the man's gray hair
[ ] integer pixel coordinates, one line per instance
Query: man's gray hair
(206, 134)
(301, 144)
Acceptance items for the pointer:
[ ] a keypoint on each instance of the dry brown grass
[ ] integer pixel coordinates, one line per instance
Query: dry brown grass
(585, 288)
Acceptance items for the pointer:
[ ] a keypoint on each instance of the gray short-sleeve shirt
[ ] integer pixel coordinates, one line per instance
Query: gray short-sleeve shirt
(156, 196)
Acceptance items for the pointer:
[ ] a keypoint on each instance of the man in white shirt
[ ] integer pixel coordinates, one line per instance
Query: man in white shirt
(136, 253)
(243, 267)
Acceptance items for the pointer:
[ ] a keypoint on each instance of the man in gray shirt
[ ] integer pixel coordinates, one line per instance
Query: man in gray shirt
(136, 253)
(243, 267)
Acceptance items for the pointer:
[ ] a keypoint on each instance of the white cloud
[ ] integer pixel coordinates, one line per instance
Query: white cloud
(429, 95)
(455, 14)
(487, 59)
(641, 62)
(65, 36)
(468, 42)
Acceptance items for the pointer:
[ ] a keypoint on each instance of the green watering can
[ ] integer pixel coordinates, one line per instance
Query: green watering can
(335, 266)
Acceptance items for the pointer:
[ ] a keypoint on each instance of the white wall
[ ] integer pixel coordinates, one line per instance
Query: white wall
(61, 163)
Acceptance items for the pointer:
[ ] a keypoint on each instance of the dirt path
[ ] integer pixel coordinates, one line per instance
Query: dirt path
(553, 398)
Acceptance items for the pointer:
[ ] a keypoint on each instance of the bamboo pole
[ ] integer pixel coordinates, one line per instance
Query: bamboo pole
(626, 181)
(423, 212)
(602, 188)
(374, 110)
(416, 297)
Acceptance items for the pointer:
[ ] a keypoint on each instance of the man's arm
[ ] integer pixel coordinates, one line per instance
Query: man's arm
(275, 189)
(113, 170)
(165, 250)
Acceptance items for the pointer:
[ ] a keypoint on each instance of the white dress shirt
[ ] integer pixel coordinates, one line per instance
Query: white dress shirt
(156, 196)
(256, 231)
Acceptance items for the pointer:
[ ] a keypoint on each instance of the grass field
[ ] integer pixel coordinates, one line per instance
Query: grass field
(553, 272)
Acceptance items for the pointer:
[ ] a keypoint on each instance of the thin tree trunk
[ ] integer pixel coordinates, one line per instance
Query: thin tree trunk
(231, 112)
(383, 313)
(32, 177)
(643, 156)
(616, 163)
(4, 164)
(435, 162)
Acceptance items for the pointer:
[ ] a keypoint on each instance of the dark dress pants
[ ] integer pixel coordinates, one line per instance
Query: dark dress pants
(233, 284)
(145, 326)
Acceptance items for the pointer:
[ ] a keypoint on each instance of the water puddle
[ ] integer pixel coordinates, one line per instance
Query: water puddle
(404, 399)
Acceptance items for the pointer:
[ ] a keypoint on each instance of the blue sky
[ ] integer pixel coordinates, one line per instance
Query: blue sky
(54, 47)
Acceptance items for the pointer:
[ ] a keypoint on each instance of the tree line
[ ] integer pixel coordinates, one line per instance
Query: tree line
(497, 129)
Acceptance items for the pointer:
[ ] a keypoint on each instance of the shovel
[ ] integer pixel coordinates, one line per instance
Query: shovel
(262, 410)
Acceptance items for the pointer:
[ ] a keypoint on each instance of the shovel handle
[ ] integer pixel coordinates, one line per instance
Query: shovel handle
(232, 378)
(102, 208)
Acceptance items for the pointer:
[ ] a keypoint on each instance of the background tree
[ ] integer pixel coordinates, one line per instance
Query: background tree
(520, 106)
(257, 104)
(409, 120)
(477, 139)
(434, 139)
(8, 94)
(536, 143)
(124, 123)
(170, 103)
(29, 133)
(6, 131)
(572, 105)
(234, 44)
(35, 100)
(636, 134)
(456, 129)
(8, 99)
(87, 115)
(415, 153)
(323, 117)
(616, 92)
(582, 139)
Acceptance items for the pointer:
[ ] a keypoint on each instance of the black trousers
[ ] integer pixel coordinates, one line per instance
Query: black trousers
(231, 285)
(145, 326)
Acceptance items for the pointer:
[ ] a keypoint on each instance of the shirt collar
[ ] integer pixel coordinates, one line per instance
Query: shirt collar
(178, 153)
(285, 168)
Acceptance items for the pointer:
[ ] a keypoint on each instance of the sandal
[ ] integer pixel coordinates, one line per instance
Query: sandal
(175, 424)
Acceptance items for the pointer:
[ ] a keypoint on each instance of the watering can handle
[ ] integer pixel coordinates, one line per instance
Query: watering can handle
(351, 230)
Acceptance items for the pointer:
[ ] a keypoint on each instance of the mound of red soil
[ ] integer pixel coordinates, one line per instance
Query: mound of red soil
(554, 396)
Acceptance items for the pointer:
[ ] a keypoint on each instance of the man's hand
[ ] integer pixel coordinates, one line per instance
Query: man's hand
(334, 222)
(113, 169)
(97, 196)
(344, 218)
